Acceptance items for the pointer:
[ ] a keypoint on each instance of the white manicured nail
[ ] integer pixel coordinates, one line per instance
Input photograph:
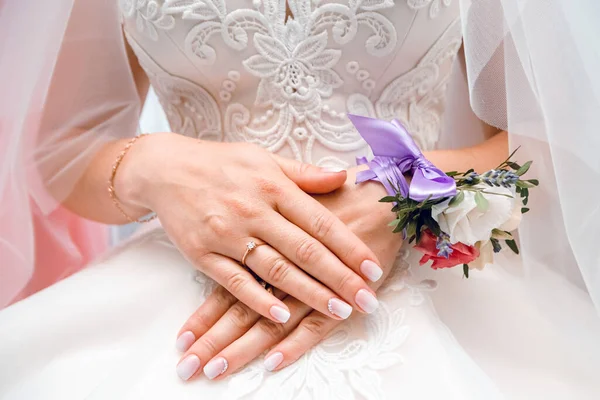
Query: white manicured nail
(371, 270)
(332, 169)
(215, 367)
(188, 367)
(366, 301)
(339, 308)
(280, 314)
(273, 361)
(185, 341)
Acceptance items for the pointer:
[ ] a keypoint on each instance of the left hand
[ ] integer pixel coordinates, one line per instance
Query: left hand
(230, 335)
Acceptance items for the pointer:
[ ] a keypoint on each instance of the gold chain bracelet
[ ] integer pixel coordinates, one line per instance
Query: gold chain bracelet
(111, 183)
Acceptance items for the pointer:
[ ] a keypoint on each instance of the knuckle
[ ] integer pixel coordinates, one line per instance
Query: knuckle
(198, 323)
(321, 225)
(208, 343)
(302, 168)
(306, 251)
(273, 330)
(347, 282)
(353, 251)
(218, 225)
(240, 315)
(268, 187)
(242, 208)
(222, 297)
(315, 325)
(236, 283)
(278, 271)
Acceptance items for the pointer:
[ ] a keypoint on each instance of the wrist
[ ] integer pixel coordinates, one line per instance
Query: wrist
(136, 174)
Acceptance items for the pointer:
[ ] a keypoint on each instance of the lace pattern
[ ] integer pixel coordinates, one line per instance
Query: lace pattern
(301, 95)
(287, 85)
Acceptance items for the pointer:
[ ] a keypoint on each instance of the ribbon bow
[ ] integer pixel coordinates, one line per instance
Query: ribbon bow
(396, 153)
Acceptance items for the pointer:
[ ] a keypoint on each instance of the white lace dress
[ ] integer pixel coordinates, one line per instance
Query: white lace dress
(242, 70)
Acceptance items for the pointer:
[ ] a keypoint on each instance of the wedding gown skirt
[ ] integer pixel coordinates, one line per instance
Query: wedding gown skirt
(108, 332)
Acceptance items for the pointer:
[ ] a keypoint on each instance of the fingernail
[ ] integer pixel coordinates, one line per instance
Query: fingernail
(280, 314)
(273, 361)
(339, 308)
(371, 270)
(332, 169)
(366, 301)
(188, 367)
(215, 367)
(185, 341)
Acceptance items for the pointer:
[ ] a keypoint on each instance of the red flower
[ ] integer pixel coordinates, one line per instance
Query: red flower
(461, 253)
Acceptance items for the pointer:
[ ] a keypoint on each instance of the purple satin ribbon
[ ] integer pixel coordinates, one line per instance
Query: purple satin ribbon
(396, 153)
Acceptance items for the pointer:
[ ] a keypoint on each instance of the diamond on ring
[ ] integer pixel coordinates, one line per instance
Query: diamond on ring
(251, 245)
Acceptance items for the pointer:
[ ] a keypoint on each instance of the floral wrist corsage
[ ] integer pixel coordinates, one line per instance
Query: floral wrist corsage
(454, 218)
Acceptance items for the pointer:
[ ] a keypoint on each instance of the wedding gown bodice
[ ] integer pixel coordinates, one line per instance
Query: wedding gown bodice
(284, 75)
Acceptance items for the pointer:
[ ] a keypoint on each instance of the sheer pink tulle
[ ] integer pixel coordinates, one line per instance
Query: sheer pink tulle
(54, 261)
(66, 88)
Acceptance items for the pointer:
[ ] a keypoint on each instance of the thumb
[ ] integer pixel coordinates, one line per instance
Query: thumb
(310, 178)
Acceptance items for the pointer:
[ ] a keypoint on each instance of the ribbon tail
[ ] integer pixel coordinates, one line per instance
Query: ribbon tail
(386, 139)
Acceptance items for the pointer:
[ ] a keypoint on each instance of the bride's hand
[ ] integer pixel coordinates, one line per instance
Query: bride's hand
(230, 335)
(214, 198)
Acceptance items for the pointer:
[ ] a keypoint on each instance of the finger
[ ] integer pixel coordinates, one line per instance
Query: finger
(277, 270)
(310, 178)
(240, 283)
(320, 223)
(237, 320)
(204, 318)
(312, 256)
(254, 342)
(310, 332)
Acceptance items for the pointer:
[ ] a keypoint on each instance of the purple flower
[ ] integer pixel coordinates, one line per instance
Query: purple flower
(443, 245)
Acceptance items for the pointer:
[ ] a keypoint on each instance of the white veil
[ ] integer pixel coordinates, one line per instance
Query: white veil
(533, 69)
(66, 87)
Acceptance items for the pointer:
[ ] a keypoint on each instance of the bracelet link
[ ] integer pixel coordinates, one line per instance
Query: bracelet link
(111, 184)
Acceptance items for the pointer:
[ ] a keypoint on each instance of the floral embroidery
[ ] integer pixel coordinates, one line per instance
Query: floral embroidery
(435, 5)
(297, 77)
(148, 16)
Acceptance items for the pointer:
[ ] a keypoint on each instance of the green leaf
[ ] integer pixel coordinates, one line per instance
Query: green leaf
(513, 245)
(431, 223)
(501, 235)
(418, 229)
(466, 270)
(534, 182)
(469, 171)
(525, 201)
(509, 157)
(521, 171)
(524, 210)
(452, 173)
(481, 202)
(518, 189)
(513, 165)
(394, 222)
(388, 199)
(524, 184)
(456, 200)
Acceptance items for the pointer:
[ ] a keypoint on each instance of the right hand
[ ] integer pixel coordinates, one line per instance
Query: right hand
(213, 198)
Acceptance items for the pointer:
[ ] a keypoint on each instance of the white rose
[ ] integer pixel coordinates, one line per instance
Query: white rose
(466, 223)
